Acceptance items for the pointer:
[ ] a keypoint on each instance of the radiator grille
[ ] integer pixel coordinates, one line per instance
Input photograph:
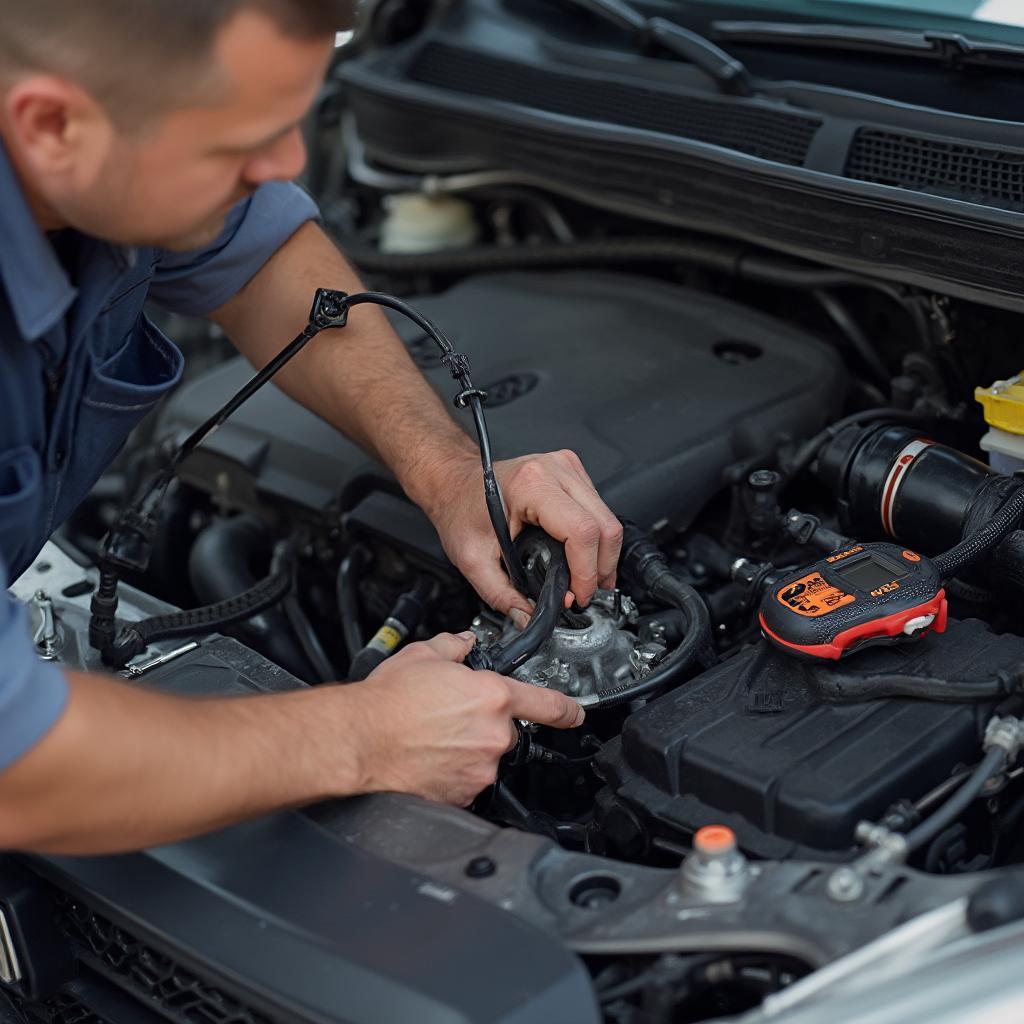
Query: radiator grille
(152, 977)
(65, 1008)
(757, 131)
(957, 170)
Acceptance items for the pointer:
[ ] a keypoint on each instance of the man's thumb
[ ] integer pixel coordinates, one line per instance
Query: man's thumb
(452, 646)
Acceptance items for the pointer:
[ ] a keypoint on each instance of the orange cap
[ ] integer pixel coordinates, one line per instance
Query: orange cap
(713, 839)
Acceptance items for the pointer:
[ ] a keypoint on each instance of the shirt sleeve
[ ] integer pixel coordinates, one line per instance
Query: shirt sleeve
(33, 693)
(196, 283)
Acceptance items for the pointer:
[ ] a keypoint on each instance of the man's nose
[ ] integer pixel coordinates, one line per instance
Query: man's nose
(283, 161)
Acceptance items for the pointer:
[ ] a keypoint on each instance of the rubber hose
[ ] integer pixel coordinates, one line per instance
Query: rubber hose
(134, 638)
(963, 555)
(852, 689)
(223, 563)
(349, 571)
(724, 257)
(969, 592)
(991, 765)
(544, 619)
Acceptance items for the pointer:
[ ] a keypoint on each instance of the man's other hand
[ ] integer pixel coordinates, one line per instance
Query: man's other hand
(425, 724)
(552, 491)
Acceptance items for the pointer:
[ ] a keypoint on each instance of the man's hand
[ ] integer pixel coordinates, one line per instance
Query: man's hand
(420, 724)
(552, 491)
(430, 726)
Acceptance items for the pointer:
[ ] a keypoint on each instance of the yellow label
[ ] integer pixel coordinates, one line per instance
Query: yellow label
(388, 638)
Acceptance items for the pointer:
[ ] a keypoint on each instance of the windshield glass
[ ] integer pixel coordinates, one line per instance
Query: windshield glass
(1000, 12)
(978, 17)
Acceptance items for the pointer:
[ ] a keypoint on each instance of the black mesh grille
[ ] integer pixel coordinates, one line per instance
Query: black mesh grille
(770, 134)
(155, 979)
(65, 1008)
(957, 170)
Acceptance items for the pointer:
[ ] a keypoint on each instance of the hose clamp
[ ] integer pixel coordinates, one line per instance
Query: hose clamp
(1007, 733)
(463, 398)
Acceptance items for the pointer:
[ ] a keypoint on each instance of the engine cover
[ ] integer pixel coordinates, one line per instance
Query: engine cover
(655, 386)
(748, 744)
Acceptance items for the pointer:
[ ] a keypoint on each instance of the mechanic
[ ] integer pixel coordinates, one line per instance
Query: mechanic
(147, 149)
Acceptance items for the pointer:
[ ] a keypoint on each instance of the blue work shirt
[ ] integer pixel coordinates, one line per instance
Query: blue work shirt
(80, 365)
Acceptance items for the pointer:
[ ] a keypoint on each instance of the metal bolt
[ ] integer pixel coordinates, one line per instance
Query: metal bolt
(845, 885)
(715, 871)
(481, 867)
(763, 478)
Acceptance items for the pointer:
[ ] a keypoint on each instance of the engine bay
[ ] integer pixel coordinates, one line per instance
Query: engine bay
(749, 415)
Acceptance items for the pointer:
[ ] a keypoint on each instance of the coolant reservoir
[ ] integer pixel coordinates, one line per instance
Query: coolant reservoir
(1003, 403)
(416, 224)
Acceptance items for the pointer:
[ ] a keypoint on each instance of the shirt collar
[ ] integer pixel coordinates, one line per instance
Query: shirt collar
(38, 289)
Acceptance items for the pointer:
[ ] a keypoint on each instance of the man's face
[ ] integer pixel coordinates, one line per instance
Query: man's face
(172, 184)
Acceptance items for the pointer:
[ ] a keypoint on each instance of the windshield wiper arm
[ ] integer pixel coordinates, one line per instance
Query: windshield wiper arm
(653, 34)
(952, 49)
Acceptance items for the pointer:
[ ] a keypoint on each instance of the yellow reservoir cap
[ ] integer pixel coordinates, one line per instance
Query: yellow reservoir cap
(1003, 403)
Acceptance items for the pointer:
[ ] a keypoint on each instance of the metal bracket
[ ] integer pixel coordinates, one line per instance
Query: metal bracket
(10, 969)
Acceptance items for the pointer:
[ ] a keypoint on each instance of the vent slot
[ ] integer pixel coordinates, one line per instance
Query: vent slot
(156, 980)
(757, 131)
(954, 170)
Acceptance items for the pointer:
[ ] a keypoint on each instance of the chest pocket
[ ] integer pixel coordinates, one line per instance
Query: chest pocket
(21, 500)
(119, 390)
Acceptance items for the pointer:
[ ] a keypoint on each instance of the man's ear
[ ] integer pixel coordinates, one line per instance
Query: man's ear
(55, 124)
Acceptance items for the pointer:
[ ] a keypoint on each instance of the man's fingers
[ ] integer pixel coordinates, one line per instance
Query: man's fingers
(492, 584)
(581, 549)
(546, 707)
(609, 529)
(449, 646)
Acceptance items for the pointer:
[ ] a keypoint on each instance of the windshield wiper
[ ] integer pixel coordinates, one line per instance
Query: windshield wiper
(951, 49)
(652, 35)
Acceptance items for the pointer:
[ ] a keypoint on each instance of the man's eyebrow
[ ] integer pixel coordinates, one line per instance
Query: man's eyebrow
(267, 141)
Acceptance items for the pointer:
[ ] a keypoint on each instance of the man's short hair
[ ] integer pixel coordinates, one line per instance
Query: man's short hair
(140, 58)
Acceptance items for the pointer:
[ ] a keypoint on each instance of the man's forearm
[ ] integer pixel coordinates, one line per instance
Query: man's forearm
(125, 767)
(360, 379)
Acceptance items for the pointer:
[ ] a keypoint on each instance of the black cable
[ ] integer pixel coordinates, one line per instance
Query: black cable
(991, 765)
(850, 329)
(298, 620)
(458, 365)
(349, 570)
(308, 640)
(543, 620)
(963, 555)
(643, 564)
(942, 790)
(520, 815)
(129, 543)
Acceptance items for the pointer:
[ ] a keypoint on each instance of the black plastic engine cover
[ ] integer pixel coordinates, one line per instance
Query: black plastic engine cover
(655, 386)
(748, 744)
